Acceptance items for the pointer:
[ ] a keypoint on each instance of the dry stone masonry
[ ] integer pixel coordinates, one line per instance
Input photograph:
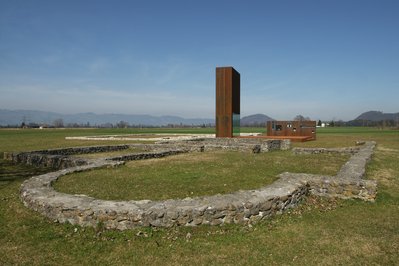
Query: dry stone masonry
(240, 207)
(60, 158)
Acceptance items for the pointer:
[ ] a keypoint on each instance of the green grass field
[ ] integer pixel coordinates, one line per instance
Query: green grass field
(194, 174)
(318, 232)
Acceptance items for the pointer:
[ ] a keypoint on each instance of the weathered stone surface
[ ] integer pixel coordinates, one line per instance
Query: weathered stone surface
(240, 144)
(239, 207)
(348, 150)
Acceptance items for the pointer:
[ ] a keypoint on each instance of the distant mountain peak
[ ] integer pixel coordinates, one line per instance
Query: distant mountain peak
(255, 120)
(377, 116)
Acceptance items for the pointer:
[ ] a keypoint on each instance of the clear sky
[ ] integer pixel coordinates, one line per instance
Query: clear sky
(321, 59)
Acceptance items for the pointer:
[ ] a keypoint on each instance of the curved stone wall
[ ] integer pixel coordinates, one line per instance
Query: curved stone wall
(239, 207)
(59, 158)
(250, 206)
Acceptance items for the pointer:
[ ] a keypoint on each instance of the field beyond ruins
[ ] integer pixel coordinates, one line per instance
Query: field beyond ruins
(319, 231)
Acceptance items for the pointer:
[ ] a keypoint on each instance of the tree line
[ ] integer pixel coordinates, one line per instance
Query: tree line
(59, 123)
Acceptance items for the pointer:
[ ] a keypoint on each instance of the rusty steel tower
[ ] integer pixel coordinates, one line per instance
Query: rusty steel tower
(227, 102)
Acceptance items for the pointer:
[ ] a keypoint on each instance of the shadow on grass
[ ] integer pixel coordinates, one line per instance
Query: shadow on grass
(10, 172)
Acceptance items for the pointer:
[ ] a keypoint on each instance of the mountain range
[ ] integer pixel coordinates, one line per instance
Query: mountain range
(17, 117)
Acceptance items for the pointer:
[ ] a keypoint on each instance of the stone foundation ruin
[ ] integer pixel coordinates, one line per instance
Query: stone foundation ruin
(239, 207)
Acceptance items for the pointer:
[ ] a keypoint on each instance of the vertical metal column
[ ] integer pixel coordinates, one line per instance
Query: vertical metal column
(227, 101)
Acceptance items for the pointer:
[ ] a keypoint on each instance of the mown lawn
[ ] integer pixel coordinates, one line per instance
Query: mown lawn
(194, 174)
(319, 232)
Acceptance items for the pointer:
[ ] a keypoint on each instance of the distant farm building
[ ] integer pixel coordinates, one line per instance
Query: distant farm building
(294, 130)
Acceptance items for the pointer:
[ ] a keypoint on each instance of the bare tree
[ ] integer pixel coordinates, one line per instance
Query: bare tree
(122, 124)
(58, 123)
(301, 118)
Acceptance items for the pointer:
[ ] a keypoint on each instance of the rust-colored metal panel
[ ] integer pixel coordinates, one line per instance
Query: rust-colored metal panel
(292, 129)
(227, 100)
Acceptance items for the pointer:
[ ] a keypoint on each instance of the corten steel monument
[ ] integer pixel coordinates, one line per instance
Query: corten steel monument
(294, 130)
(227, 102)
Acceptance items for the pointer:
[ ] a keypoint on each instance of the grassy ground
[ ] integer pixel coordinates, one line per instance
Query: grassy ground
(33, 139)
(194, 174)
(319, 232)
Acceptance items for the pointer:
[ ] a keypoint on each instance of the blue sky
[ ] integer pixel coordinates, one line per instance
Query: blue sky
(321, 59)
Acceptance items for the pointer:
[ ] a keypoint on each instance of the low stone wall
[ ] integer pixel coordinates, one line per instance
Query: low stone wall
(347, 150)
(349, 182)
(237, 144)
(336, 187)
(59, 158)
(355, 167)
(82, 150)
(43, 160)
(239, 207)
